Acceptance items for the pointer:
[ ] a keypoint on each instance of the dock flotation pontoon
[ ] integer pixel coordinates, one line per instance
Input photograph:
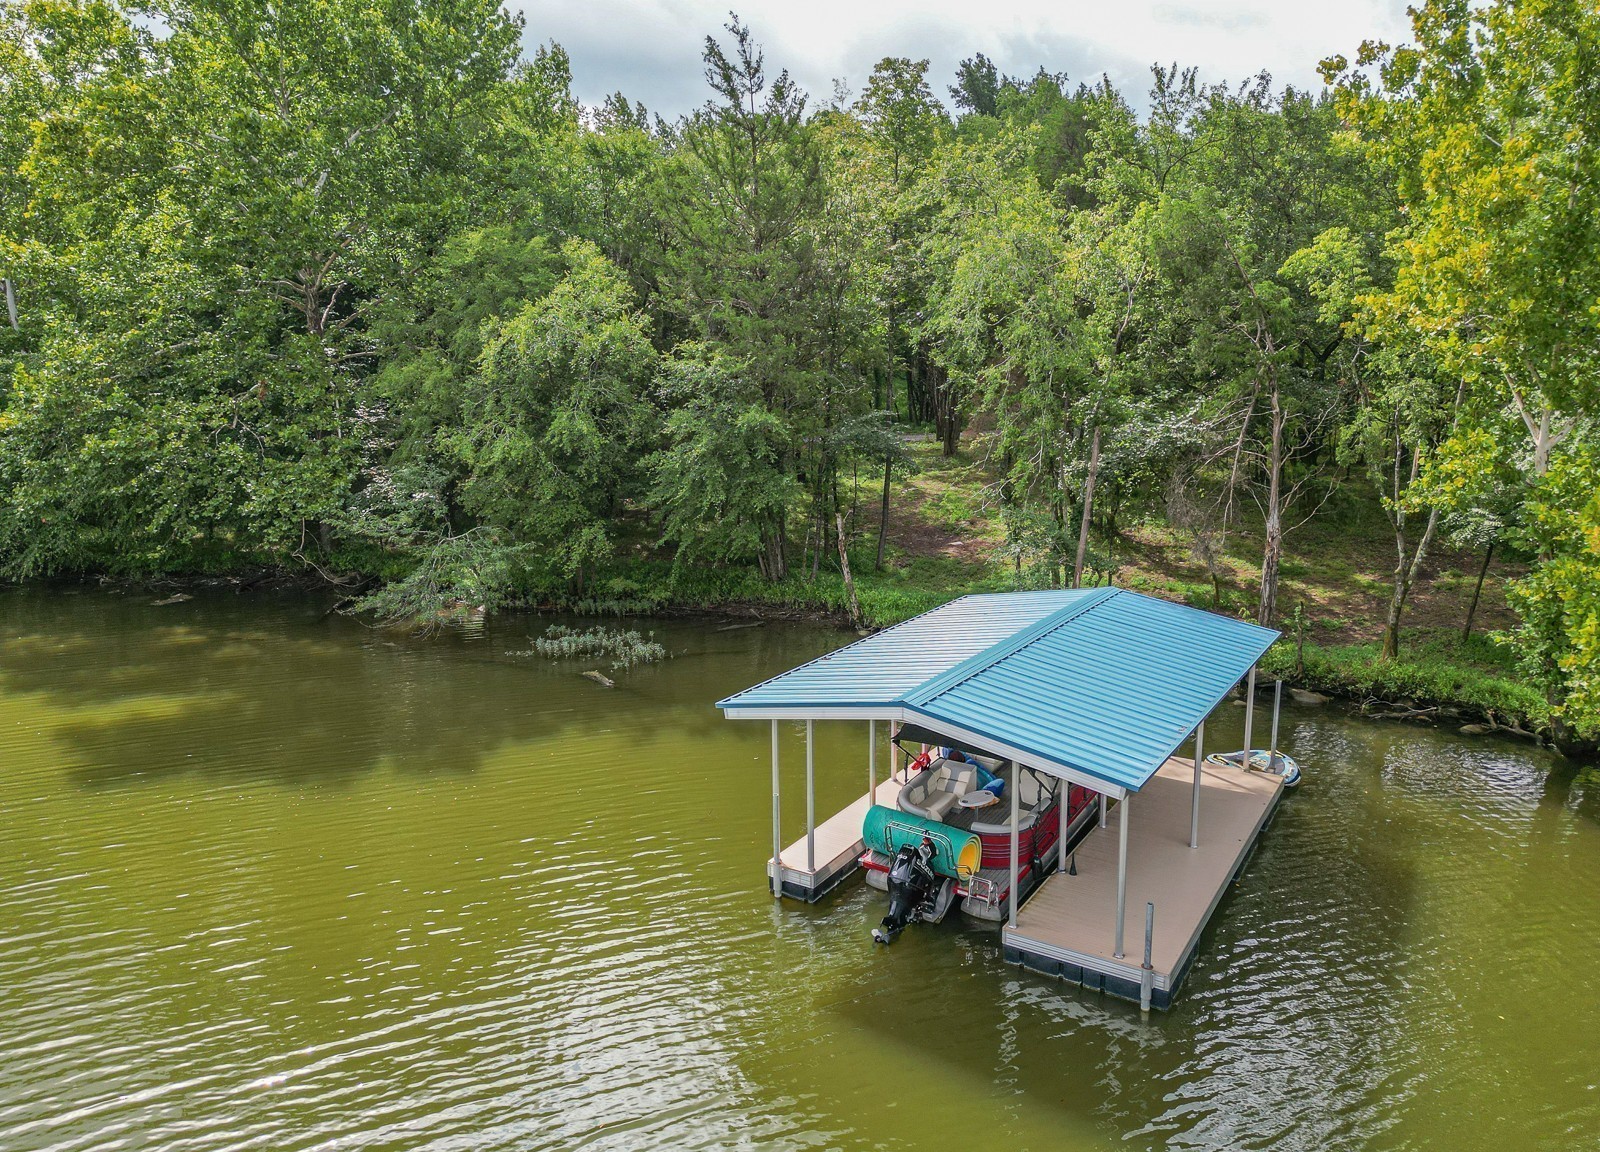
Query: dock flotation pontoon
(1035, 714)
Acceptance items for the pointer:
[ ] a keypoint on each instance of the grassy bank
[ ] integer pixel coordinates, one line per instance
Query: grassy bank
(1473, 680)
(1436, 675)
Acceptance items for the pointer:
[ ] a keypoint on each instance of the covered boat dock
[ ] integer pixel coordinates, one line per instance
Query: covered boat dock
(1096, 687)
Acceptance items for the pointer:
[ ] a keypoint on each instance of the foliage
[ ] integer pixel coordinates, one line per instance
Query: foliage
(719, 480)
(1429, 674)
(1487, 122)
(364, 287)
(455, 579)
(554, 420)
(1558, 641)
(626, 649)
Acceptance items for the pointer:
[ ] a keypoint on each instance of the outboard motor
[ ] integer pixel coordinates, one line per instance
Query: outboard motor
(913, 889)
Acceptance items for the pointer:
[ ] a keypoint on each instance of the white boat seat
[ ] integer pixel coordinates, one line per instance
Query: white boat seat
(933, 792)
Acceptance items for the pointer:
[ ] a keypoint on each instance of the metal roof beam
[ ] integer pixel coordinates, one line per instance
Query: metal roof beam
(904, 715)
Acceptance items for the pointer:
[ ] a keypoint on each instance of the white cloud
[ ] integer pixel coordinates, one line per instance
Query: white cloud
(650, 49)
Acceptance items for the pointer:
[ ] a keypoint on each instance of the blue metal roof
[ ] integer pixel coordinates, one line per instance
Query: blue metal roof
(883, 669)
(1105, 683)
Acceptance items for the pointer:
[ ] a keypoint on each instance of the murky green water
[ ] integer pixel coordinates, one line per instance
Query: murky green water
(270, 879)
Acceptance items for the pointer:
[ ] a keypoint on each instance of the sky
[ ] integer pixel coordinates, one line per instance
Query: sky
(650, 49)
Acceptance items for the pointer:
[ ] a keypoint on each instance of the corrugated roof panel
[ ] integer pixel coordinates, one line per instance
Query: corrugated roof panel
(883, 668)
(1104, 682)
(1110, 691)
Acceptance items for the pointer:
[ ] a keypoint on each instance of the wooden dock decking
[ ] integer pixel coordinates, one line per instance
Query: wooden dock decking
(838, 848)
(1067, 928)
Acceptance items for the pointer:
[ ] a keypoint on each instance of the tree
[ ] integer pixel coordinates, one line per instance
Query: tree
(720, 484)
(977, 86)
(1478, 487)
(1261, 179)
(1066, 124)
(739, 263)
(902, 122)
(555, 420)
(990, 241)
(1489, 122)
(211, 217)
(1403, 411)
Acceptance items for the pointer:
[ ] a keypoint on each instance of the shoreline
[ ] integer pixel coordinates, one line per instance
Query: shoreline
(1405, 690)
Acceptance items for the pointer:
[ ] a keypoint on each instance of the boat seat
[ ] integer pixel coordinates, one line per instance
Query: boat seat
(933, 792)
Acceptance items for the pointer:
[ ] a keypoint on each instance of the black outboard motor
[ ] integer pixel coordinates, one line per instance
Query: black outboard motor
(913, 886)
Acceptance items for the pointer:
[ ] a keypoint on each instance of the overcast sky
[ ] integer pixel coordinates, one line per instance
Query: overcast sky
(650, 49)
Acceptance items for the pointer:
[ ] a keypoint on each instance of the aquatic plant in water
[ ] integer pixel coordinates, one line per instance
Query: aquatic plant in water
(625, 648)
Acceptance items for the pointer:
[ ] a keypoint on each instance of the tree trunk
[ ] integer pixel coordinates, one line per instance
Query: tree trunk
(883, 509)
(1477, 590)
(946, 417)
(856, 620)
(1405, 578)
(1109, 527)
(1397, 603)
(1272, 553)
(1397, 520)
(1088, 507)
(1405, 572)
(919, 410)
(774, 565)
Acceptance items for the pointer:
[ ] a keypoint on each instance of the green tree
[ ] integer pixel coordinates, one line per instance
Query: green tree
(977, 86)
(1489, 121)
(554, 422)
(1243, 218)
(210, 218)
(720, 482)
(902, 123)
(738, 202)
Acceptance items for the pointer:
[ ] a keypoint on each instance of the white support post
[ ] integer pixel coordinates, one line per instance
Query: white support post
(894, 754)
(872, 762)
(811, 799)
(1194, 803)
(1062, 807)
(1277, 704)
(1102, 809)
(777, 830)
(1015, 786)
(1147, 974)
(1122, 870)
(1249, 714)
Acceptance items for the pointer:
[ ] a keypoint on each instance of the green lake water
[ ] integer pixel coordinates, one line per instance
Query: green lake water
(270, 879)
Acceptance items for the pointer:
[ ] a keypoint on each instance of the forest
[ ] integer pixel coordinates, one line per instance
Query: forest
(359, 289)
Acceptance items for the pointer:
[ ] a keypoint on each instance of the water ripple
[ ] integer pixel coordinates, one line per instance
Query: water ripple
(273, 881)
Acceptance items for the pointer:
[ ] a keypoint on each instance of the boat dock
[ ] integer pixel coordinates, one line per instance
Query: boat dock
(1097, 688)
(1066, 928)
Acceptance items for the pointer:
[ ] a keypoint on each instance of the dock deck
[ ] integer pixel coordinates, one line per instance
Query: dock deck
(838, 848)
(1067, 928)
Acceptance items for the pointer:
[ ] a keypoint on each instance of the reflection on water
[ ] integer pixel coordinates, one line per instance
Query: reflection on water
(271, 879)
